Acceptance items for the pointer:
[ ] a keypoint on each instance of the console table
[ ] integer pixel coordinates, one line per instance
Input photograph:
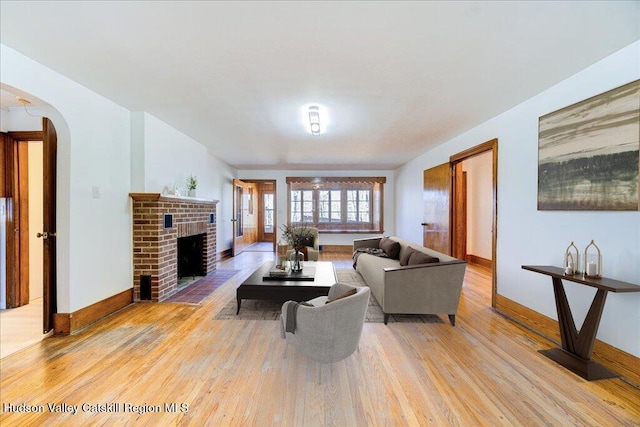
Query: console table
(575, 353)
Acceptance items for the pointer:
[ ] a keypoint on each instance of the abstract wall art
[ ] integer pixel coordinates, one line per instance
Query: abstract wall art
(589, 153)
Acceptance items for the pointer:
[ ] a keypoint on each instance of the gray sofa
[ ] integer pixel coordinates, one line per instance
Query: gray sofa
(432, 288)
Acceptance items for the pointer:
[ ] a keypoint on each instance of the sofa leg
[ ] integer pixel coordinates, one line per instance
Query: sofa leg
(386, 318)
(452, 319)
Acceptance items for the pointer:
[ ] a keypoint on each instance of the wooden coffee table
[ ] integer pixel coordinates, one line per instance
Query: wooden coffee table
(255, 287)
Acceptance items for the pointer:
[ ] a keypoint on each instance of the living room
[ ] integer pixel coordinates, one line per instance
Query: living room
(123, 150)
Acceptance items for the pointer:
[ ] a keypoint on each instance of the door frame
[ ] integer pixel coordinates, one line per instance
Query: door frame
(260, 207)
(492, 146)
(17, 188)
(49, 141)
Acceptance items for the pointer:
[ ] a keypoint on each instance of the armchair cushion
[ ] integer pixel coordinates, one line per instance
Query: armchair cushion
(344, 295)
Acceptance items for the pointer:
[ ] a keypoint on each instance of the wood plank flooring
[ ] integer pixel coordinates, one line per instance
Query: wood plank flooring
(484, 371)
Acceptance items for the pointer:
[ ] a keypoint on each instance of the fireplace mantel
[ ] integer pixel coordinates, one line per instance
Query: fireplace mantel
(155, 271)
(168, 198)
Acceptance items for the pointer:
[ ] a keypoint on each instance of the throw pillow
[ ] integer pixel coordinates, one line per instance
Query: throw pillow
(308, 240)
(405, 256)
(390, 247)
(421, 258)
(346, 294)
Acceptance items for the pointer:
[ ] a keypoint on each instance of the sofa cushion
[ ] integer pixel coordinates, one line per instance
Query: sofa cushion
(390, 247)
(421, 258)
(406, 255)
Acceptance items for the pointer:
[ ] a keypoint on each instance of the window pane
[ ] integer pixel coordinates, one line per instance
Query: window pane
(336, 206)
(323, 206)
(307, 206)
(352, 205)
(363, 206)
(296, 205)
(268, 213)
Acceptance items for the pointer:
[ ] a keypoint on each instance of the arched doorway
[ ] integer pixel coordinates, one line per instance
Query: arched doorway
(27, 234)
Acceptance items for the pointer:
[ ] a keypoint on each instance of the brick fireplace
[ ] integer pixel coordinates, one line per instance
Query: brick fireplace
(158, 222)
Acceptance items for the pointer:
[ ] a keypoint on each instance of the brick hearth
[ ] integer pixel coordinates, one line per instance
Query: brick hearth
(155, 250)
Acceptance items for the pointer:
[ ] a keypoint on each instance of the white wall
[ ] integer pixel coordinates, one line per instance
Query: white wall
(327, 238)
(104, 153)
(479, 200)
(529, 236)
(94, 234)
(169, 157)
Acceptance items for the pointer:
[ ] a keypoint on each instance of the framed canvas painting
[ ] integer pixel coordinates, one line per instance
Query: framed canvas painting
(589, 153)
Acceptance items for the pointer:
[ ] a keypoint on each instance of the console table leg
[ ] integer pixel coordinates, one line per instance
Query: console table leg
(239, 303)
(577, 346)
(568, 332)
(587, 335)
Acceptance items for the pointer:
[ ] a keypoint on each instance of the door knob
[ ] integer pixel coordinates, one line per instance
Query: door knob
(44, 235)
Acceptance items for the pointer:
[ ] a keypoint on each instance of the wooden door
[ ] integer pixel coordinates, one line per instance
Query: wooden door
(245, 214)
(16, 191)
(49, 234)
(459, 212)
(437, 201)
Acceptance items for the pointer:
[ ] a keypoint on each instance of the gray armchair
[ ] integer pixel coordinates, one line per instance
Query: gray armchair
(328, 333)
(314, 250)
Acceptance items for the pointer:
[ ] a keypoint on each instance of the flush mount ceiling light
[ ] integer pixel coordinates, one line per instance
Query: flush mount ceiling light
(23, 101)
(314, 120)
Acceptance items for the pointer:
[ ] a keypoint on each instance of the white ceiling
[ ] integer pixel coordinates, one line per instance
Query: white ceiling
(393, 78)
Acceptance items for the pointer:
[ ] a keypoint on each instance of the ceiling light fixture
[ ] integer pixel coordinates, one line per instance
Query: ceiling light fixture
(314, 120)
(23, 101)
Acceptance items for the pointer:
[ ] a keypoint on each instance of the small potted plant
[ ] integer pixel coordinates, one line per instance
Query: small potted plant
(297, 238)
(192, 183)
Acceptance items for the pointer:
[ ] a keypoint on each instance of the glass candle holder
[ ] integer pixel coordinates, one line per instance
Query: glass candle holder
(592, 261)
(571, 260)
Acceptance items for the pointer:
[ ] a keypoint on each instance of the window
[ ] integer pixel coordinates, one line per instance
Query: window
(268, 212)
(358, 206)
(301, 206)
(336, 204)
(329, 205)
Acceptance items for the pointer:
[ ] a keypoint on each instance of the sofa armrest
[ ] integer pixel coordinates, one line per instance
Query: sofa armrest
(426, 288)
(371, 242)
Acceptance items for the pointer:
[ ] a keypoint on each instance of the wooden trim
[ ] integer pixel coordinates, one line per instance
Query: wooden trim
(474, 151)
(491, 145)
(35, 135)
(6, 142)
(337, 248)
(227, 253)
(475, 259)
(69, 323)
(334, 179)
(459, 224)
(607, 355)
(168, 198)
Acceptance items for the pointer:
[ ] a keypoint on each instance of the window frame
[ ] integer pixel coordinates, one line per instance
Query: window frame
(373, 186)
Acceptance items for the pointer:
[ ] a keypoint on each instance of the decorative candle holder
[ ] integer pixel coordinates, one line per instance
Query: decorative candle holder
(592, 262)
(571, 260)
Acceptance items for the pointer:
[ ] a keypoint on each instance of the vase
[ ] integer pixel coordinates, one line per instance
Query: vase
(192, 193)
(296, 259)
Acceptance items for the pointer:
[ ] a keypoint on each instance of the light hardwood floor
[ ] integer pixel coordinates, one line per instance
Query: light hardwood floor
(484, 371)
(20, 327)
